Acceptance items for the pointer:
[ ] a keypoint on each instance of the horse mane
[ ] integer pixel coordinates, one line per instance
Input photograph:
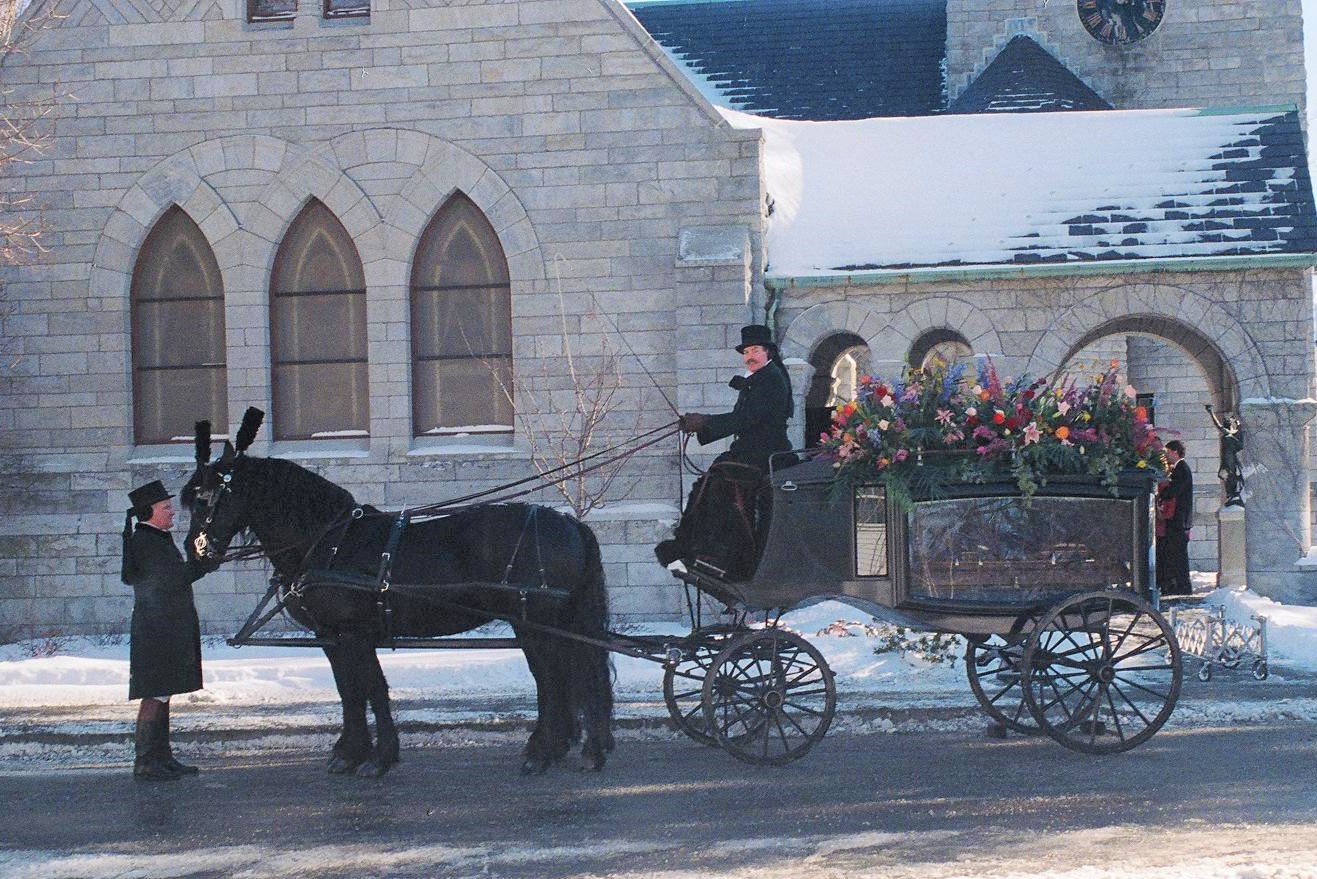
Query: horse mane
(301, 500)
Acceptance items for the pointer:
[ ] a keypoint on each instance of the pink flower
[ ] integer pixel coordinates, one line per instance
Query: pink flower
(1063, 407)
(1031, 434)
(886, 400)
(901, 455)
(944, 417)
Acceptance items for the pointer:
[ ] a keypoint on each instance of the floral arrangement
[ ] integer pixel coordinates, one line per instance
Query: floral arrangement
(939, 424)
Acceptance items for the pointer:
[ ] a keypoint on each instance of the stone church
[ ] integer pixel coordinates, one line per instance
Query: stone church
(433, 240)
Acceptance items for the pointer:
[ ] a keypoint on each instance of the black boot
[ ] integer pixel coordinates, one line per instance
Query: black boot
(168, 751)
(148, 763)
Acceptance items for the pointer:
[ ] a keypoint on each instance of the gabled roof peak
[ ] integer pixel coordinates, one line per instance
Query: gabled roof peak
(1026, 78)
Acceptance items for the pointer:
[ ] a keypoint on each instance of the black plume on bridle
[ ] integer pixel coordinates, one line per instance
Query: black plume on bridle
(203, 442)
(251, 422)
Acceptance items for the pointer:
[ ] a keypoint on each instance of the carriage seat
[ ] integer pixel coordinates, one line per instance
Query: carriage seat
(731, 509)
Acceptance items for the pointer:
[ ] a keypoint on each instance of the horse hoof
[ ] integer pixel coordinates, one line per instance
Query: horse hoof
(371, 769)
(340, 765)
(378, 763)
(534, 766)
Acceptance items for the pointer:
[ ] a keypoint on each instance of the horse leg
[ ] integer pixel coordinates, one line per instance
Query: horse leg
(353, 745)
(548, 741)
(594, 691)
(588, 666)
(386, 752)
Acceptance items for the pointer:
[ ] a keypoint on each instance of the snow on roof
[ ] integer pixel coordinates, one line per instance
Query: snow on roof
(1020, 189)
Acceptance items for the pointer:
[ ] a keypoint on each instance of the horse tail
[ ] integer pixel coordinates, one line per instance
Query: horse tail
(592, 678)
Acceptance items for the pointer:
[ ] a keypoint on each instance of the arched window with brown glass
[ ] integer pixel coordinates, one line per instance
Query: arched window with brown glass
(177, 320)
(318, 331)
(461, 326)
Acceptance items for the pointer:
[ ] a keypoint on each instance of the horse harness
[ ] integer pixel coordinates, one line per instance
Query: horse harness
(381, 585)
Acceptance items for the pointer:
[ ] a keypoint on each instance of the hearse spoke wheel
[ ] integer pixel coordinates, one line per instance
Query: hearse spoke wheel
(1102, 672)
(769, 697)
(683, 681)
(994, 668)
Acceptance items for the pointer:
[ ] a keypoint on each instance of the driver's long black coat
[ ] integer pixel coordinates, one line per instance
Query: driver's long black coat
(165, 646)
(759, 419)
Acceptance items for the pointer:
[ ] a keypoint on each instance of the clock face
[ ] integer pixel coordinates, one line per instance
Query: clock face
(1117, 22)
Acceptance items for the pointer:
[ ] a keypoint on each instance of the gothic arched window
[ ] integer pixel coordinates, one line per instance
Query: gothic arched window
(318, 331)
(461, 326)
(177, 321)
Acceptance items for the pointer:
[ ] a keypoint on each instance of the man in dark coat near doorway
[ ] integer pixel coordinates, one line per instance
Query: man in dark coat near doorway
(165, 639)
(719, 516)
(1175, 511)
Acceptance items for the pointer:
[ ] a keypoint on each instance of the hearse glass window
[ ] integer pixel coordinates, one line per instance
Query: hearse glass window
(870, 531)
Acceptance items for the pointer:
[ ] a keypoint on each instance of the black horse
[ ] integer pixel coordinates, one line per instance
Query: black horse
(538, 569)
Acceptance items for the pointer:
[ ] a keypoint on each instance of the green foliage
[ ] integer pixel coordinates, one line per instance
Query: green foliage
(935, 648)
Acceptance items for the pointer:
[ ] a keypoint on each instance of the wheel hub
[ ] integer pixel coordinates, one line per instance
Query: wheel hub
(1103, 672)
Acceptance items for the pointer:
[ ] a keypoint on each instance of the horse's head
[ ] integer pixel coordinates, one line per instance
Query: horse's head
(217, 504)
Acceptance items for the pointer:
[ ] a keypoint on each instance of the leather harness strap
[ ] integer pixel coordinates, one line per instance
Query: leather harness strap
(382, 602)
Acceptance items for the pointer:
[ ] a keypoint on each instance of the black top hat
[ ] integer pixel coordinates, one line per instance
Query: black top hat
(144, 496)
(755, 334)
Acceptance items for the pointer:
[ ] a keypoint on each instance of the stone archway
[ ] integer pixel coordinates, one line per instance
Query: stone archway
(1277, 524)
(1200, 349)
(817, 411)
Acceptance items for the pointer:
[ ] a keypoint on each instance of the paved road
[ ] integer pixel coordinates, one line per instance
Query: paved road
(931, 805)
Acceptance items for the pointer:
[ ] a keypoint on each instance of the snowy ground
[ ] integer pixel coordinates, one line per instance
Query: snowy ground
(63, 706)
(69, 708)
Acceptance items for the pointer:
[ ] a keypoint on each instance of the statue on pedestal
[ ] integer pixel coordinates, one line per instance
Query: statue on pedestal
(1232, 443)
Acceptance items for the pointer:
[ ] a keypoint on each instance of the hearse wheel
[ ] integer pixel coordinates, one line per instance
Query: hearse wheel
(1102, 672)
(993, 665)
(768, 697)
(683, 680)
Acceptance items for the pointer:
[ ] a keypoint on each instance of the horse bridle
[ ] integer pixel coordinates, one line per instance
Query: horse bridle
(204, 547)
(201, 544)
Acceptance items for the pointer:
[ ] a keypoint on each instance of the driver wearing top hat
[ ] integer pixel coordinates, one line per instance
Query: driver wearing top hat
(758, 422)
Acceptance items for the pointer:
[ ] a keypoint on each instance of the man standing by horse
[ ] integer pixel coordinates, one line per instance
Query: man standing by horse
(719, 519)
(165, 640)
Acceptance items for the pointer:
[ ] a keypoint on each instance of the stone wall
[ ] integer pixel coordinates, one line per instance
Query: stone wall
(1225, 53)
(587, 151)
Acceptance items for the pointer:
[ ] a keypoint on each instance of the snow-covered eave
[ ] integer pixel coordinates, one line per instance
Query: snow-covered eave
(774, 281)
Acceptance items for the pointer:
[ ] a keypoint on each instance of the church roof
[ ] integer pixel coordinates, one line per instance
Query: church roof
(808, 59)
(1025, 189)
(1025, 78)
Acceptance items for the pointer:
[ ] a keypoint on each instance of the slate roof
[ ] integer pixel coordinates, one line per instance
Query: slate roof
(810, 59)
(1021, 189)
(1025, 78)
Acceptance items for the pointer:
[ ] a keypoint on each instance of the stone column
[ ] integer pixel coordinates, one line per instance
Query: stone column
(1277, 529)
(713, 303)
(802, 375)
(1232, 561)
